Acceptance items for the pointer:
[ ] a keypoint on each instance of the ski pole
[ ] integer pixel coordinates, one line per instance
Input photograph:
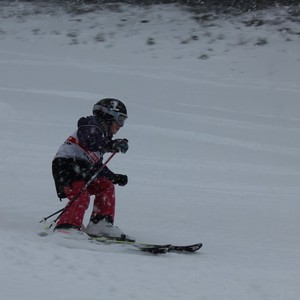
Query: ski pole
(61, 211)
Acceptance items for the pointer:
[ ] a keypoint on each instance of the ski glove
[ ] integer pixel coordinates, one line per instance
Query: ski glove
(119, 145)
(120, 179)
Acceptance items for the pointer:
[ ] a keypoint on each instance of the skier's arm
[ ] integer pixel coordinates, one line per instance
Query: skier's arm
(90, 136)
(119, 179)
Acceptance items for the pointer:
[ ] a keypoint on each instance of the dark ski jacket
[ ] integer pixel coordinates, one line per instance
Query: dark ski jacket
(81, 155)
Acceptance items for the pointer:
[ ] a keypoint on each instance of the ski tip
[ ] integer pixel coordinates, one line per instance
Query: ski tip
(195, 247)
(187, 248)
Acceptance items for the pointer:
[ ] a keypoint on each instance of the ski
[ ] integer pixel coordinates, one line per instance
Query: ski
(144, 247)
(149, 247)
(153, 249)
(131, 244)
(186, 248)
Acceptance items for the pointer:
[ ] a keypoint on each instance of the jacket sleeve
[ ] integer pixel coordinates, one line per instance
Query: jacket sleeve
(91, 136)
(105, 172)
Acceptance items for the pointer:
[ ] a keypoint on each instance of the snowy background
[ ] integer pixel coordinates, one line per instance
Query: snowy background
(214, 124)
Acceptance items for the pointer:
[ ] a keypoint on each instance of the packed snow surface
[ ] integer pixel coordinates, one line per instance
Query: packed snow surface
(213, 127)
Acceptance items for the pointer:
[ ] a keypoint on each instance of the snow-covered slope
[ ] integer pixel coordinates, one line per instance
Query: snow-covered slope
(214, 124)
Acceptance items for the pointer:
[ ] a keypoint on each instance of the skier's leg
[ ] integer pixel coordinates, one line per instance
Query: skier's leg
(104, 202)
(74, 214)
(102, 218)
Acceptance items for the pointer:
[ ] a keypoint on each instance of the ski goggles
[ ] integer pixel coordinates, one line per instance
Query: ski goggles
(118, 117)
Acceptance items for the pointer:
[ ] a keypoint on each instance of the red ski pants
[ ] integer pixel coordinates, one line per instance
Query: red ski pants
(104, 202)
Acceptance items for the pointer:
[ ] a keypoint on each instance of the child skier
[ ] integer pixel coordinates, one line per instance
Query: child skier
(79, 158)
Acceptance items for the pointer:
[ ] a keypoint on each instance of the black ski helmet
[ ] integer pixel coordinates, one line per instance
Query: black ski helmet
(110, 109)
